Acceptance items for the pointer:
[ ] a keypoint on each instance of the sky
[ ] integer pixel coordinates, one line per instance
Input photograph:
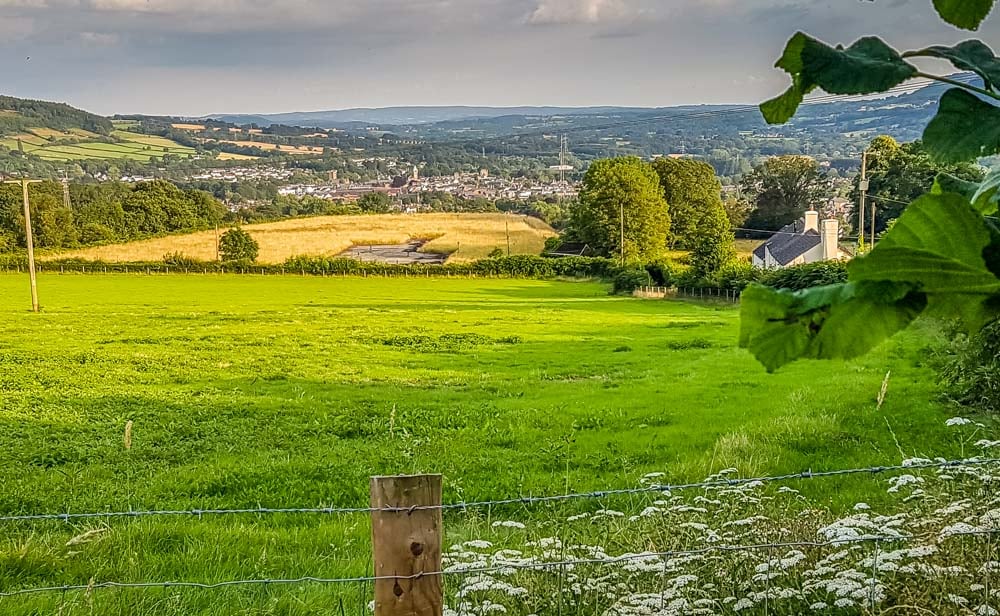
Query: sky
(198, 57)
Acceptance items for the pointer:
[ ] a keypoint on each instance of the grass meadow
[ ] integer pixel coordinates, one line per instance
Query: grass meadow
(292, 391)
(134, 146)
(465, 237)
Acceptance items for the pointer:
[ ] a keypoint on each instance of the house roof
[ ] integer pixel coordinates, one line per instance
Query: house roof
(789, 243)
(570, 249)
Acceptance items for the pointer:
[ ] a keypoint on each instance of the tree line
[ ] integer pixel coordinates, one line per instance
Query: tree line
(103, 213)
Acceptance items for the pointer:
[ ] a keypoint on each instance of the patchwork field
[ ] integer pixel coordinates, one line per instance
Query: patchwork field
(292, 391)
(134, 146)
(288, 149)
(465, 237)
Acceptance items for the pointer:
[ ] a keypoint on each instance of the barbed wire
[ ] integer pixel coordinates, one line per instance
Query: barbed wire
(519, 500)
(500, 567)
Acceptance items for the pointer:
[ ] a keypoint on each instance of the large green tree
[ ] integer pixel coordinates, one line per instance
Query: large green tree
(375, 203)
(692, 192)
(616, 189)
(782, 189)
(898, 174)
(713, 245)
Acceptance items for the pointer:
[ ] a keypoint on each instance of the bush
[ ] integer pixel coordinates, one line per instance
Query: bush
(237, 245)
(805, 276)
(179, 259)
(663, 273)
(737, 275)
(96, 233)
(552, 243)
(628, 280)
(496, 253)
(969, 367)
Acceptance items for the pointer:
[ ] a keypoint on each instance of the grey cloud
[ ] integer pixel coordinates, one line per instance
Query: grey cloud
(200, 56)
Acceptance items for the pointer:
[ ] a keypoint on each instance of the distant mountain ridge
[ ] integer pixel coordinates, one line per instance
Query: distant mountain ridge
(902, 116)
(412, 115)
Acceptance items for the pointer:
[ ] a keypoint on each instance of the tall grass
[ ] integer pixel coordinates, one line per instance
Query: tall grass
(467, 237)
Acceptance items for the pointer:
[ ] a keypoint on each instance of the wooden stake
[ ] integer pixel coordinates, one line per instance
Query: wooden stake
(24, 182)
(407, 543)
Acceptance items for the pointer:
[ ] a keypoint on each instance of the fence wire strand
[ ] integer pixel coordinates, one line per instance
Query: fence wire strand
(501, 567)
(519, 500)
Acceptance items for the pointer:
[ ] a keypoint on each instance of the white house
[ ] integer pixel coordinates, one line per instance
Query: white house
(803, 241)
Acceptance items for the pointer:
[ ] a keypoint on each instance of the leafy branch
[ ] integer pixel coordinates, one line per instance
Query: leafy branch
(942, 257)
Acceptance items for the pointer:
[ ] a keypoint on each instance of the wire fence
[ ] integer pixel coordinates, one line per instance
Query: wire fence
(518, 500)
(499, 567)
(887, 536)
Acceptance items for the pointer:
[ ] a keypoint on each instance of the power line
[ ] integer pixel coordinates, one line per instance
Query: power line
(519, 500)
(781, 232)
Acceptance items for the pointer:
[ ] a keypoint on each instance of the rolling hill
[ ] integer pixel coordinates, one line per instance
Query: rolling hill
(57, 132)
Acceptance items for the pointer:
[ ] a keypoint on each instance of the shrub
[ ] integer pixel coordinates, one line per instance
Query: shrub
(969, 367)
(237, 245)
(179, 259)
(738, 274)
(628, 280)
(96, 233)
(805, 276)
(496, 253)
(663, 273)
(552, 243)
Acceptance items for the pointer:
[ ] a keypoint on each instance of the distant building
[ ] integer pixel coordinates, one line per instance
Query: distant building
(803, 241)
(571, 249)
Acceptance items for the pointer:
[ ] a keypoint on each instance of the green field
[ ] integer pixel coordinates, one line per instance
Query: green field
(133, 146)
(288, 391)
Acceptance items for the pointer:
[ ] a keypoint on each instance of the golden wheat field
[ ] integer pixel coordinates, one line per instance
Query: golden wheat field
(466, 237)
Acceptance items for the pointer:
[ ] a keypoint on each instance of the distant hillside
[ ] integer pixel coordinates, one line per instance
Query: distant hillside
(404, 116)
(902, 116)
(19, 114)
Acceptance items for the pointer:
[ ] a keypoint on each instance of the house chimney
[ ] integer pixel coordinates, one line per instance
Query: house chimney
(812, 221)
(831, 239)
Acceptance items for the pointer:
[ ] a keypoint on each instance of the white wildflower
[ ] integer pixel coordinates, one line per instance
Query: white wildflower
(508, 524)
(743, 604)
(957, 599)
(958, 421)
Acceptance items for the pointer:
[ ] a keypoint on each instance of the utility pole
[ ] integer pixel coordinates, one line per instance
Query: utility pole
(622, 209)
(863, 188)
(24, 182)
(873, 223)
(65, 187)
(506, 225)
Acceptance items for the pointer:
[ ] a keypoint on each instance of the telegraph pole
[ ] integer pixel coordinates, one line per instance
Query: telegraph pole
(24, 182)
(873, 223)
(863, 188)
(622, 209)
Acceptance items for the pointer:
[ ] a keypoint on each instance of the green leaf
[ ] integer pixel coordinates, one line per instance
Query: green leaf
(966, 14)
(987, 197)
(838, 321)
(936, 244)
(938, 247)
(965, 128)
(972, 55)
(782, 108)
(868, 66)
(947, 183)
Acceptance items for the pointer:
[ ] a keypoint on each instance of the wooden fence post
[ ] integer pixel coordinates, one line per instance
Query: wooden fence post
(407, 543)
